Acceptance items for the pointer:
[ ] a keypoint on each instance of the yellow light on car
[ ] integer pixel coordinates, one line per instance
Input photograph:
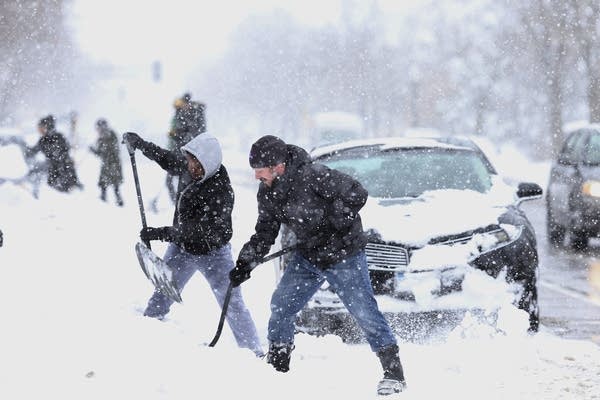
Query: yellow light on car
(591, 188)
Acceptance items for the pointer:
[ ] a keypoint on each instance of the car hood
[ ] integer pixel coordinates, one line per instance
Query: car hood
(415, 221)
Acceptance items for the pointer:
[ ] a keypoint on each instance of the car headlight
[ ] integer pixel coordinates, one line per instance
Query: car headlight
(491, 240)
(591, 188)
(500, 236)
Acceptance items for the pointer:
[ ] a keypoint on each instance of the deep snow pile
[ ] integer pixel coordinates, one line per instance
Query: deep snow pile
(72, 292)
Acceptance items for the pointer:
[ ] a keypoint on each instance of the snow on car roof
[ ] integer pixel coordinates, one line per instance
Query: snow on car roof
(385, 143)
(573, 126)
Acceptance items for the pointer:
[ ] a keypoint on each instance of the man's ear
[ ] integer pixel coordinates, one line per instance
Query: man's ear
(279, 169)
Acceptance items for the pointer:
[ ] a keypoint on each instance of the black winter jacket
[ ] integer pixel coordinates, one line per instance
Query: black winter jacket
(61, 168)
(320, 205)
(202, 220)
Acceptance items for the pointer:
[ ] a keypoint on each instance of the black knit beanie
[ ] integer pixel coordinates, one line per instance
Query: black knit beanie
(48, 122)
(268, 151)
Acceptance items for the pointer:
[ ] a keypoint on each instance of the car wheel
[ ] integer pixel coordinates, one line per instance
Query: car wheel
(579, 240)
(556, 232)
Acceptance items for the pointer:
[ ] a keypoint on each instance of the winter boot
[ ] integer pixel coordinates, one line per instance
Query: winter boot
(279, 356)
(393, 376)
(156, 315)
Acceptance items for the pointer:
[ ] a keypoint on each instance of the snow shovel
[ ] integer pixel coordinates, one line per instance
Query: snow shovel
(158, 272)
(155, 269)
(230, 288)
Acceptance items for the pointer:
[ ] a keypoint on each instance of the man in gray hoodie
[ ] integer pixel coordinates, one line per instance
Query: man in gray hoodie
(201, 231)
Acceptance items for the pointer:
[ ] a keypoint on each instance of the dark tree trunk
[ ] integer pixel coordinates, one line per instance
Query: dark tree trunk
(593, 95)
(555, 110)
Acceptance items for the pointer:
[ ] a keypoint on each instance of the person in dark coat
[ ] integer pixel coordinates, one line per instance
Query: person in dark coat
(321, 206)
(202, 228)
(188, 121)
(60, 166)
(107, 149)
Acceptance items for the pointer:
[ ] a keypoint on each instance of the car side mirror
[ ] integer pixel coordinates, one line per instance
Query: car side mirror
(529, 191)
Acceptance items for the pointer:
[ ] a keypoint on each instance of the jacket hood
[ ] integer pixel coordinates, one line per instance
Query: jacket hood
(207, 149)
(297, 157)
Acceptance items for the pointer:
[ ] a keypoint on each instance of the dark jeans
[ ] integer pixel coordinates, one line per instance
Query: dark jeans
(349, 279)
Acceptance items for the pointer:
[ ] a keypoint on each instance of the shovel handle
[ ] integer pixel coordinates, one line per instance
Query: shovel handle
(138, 190)
(230, 288)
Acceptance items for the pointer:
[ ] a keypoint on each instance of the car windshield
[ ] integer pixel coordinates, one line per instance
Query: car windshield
(409, 172)
(592, 151)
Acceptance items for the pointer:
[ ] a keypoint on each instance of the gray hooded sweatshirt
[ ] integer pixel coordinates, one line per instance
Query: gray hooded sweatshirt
(207, 150)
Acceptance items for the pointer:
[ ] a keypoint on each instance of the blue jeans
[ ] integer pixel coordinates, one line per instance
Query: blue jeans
(350, 281)
(215, 267)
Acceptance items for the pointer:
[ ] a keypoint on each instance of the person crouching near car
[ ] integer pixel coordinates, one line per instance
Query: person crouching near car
(320, 205)
(201, 231)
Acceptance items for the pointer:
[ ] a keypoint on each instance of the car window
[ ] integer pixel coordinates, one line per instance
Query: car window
(572, 149)
(592, 150)
(411, 172)
(468, 143)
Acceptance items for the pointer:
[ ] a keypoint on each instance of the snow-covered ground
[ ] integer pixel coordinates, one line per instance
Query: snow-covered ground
(73, 292)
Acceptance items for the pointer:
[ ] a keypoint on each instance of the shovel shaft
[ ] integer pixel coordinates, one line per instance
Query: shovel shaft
(139, 193)
(230, 288)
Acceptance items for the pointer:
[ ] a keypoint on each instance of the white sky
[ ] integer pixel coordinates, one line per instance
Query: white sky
(184, 35)
(141, 31)
(71, 325)
(138, 31)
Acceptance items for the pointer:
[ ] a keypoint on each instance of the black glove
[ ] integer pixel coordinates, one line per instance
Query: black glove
(341, 217)
(147, 234)
(133, 140)
(241, 273)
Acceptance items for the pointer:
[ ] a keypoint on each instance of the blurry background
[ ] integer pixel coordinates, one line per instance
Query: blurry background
(513, 70)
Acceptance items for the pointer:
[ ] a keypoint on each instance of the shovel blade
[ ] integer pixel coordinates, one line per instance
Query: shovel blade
(158, 272)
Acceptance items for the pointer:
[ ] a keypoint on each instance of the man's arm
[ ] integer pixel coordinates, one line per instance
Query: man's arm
(171, 161)
(31, 151)
(265, 233)
(346, 194)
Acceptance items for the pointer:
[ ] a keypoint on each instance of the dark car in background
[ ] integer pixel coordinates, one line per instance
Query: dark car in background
(437, 212)
(573, 194)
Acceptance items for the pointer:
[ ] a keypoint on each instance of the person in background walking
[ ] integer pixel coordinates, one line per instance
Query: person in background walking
(107, 149)
(188, 121)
